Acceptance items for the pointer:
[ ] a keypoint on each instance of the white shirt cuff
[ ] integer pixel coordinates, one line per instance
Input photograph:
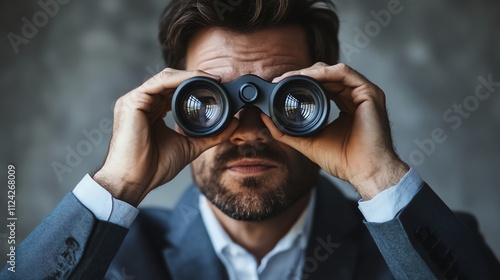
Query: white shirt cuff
(104, 207)
(387, 204)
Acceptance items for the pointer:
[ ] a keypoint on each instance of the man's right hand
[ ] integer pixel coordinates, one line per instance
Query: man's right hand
(144, 153)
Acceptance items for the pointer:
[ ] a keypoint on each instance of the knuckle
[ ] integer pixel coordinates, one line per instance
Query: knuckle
(320, 63)
(380, 95)
(198, 73)
(119, 103)
(324, 71)
(168, 70)
(119, 107)
(373, 92)
(163, 75)
(166, 73)
(343, 67)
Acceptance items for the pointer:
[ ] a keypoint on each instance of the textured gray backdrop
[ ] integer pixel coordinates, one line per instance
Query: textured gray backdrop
(429, 57)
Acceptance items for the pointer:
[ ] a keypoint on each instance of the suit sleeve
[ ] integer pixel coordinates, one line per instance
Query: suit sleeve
(69, 244)
(427, 240)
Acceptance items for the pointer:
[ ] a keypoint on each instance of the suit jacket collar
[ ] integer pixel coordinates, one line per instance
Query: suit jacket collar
(331, 251)
(190, 252)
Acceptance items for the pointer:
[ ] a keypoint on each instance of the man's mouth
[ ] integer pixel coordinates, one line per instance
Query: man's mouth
(251, 166)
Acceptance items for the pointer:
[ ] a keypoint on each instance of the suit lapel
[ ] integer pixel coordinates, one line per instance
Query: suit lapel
(189, 254)
(331, 253)
(332, 249)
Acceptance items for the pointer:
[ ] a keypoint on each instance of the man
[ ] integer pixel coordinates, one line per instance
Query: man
(260, 209)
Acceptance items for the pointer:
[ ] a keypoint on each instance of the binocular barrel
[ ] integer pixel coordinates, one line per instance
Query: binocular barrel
(297, 105)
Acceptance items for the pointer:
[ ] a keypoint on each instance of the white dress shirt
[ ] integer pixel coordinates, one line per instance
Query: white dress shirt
(285, 260)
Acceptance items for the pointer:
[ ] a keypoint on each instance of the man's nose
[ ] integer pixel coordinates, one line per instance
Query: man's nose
(251, 129)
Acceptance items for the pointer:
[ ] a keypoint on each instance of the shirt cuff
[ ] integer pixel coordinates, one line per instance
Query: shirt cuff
(387, 204)
(104, 207)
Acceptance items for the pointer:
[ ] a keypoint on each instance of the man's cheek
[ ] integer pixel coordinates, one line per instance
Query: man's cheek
(197, 171)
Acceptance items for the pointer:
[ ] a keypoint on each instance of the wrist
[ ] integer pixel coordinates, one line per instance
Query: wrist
(386, 175)
(119, 188)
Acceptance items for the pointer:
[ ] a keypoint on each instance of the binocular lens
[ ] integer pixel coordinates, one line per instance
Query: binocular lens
(299, 107)
(202, 108)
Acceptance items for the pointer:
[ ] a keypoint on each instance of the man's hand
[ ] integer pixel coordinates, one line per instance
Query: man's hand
(144, 153)
(357, 146)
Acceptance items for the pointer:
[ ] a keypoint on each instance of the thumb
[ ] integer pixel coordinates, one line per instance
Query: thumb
(298, 143)
(201, 144)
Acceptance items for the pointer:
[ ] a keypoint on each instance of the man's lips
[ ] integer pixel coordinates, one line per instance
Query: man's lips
(249, 166)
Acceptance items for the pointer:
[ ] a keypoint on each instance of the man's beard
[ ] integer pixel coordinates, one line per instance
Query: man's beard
(257, 197)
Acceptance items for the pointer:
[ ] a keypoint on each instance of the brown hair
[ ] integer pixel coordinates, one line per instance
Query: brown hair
(182, 18)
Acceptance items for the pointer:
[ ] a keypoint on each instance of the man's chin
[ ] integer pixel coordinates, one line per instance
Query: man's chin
(251, 198)
(246, 205)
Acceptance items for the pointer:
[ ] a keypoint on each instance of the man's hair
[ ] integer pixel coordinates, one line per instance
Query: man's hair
(182, 18)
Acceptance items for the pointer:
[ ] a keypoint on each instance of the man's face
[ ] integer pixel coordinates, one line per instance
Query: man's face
(251, 176)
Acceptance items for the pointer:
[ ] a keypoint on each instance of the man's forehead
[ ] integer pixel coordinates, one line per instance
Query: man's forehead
(267, 53)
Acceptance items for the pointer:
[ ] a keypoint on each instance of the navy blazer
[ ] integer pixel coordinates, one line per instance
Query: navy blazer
(425, 241)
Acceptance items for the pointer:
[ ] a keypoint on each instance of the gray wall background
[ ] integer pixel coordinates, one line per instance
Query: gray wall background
(427, 58)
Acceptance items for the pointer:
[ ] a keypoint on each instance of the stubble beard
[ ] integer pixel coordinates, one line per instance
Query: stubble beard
(254, 198)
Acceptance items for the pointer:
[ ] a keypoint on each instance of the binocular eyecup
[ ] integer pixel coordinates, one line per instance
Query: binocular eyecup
(297, 105)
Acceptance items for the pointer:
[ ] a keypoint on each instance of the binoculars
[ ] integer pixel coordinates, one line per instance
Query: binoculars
(297, 105)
